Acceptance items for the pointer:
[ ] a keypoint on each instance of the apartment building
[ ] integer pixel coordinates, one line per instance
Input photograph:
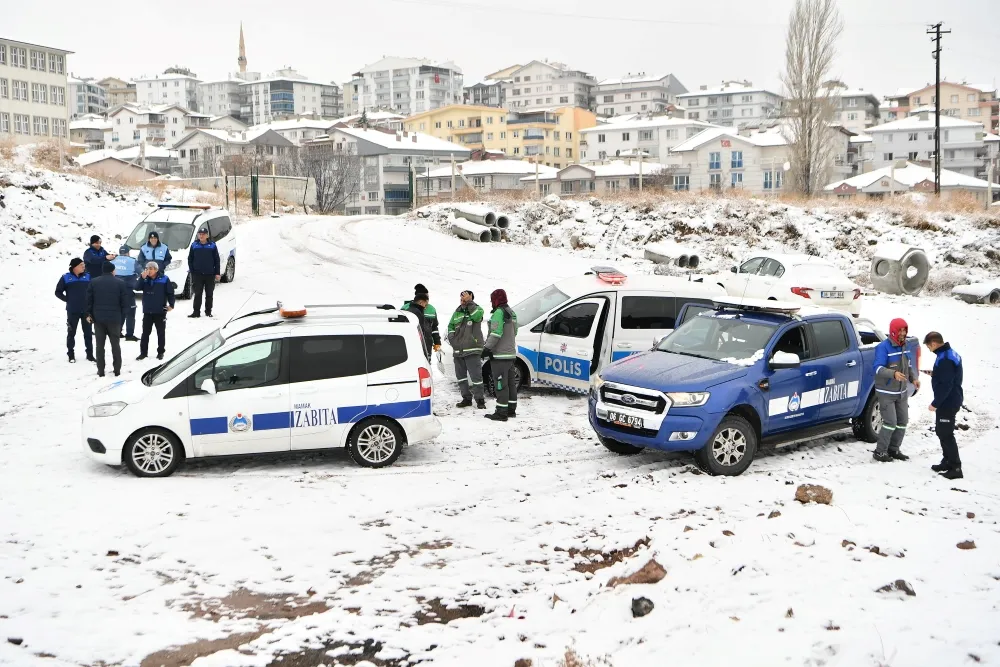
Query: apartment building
(408, 85)
(856, 110)
(480, 175)
(547, 85)
(732, 104)
(118, 91)
(174, 86)
(551, 136)
(387, 160)
(911, 178)
(86, 96)
(205, 152)
(963, 143)
(636, 93)
(583, 179)
(351, 94)
(222, 97)
(298, 130)
(490, 92)
(973, 102)
(718, 158)
(653, 136)
(286, 94)
(89, 130)
(161, 125)
(33, 90)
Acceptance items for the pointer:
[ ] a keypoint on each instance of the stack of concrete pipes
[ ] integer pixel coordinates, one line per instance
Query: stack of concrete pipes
(668, 252)
(899, 268)
(478, 223)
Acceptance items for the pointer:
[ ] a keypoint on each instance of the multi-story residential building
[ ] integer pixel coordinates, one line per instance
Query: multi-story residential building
(718, 158)
(963, 143)
(298, 130)
(33, 90)
(636, 93)
(205, 152)
(553, 136)
(89, 130)
(480, 175)
(732, 104)
(973, 102)
(544, 85)
(351, 94)
(118, 91)
(387, 159)
(162, 125)
(856, 110)
(490, 93)
(86, 96)
(582, 179)
(228, 123)
(408, 85)
(911, 178)
(653, 136)
(286, 94)
(222, 97)
(174, 86)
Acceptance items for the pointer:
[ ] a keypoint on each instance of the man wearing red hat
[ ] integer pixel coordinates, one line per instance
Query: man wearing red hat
(893, 372)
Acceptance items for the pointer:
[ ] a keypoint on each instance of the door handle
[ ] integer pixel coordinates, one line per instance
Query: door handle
(272, 396)
(852, 363)
(810, 374)
(625, 345)
(582, 351)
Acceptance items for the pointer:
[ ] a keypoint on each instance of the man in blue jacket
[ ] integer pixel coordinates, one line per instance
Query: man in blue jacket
(204, 267)
(95, 256)
(893, 372)
(946, 381)
(126, 270)
(107, 299)
(154, 251)
(72, 288)
(157, 301)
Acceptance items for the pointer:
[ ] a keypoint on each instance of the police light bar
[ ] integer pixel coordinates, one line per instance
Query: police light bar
(609, 274)
(754, 305)
(170, 204)
(291, 311)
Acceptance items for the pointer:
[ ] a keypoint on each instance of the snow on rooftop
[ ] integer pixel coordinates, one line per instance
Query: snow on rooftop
(762, 139)
(393, 62)
(861, 139)
(374, 116)
(917, 123)
(298, 124)
(394, 140)
(492, 167)
(126, 154)
(910, 176)
(644, 123)
(609, 170)
(638, 78)
(727, 90)
(162, 77)
(89, 124)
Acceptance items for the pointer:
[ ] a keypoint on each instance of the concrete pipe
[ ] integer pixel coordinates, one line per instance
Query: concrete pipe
(898, 268)
(471, 231)
(503, 222)
(978, 293)
(693, 261)
(495, 234)
(668, 252)
(477, 214)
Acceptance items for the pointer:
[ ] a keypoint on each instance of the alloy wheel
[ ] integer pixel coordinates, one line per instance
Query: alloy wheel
(376, 443)
(152, 453)
(729, 447)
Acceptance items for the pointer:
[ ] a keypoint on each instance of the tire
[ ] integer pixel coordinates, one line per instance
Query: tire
(153, 452)
(867, 426)
(230, 273)
(519, 372)
(375, 442)
(186, 292)
(620, 448)
(731, 448)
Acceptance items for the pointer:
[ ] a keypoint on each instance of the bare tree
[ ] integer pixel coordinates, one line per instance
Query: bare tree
(810, 46)
(337, 174)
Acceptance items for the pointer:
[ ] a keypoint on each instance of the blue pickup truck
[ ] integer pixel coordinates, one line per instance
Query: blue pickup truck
(740, 375)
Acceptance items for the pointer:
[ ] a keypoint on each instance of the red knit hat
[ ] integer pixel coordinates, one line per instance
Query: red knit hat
(895, 327)
(498, 298)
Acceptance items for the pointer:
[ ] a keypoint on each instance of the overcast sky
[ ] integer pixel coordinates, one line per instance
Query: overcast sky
(883, 46)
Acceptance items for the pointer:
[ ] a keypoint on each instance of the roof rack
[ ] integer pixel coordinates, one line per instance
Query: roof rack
(380, 306)
(195, 205)
(755, 305)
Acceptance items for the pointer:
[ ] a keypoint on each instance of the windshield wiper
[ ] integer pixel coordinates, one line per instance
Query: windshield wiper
(690, 354)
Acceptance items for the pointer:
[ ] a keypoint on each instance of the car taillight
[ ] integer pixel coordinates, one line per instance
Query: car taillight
(857, 294)
(426, 384)
(802, 291)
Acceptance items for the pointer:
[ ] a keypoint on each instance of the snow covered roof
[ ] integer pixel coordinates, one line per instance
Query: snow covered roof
(762, 139)
(492, 167)
(727, 90)
(617, 168)
(638, 78)
(297, 124)
(162, 77)
(374, 116)
(424, 142)
(855, 92)
(861, 139)
(991, 137)
(646, 123)
(292, 79)
(404, 63)
(910, 176)
(126, 154)
(916, 123)
(89, 124)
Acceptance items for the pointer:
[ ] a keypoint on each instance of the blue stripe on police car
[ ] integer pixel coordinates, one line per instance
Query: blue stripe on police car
(309, 418)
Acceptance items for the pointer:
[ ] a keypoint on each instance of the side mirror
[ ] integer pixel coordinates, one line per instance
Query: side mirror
(733, 270)
(782, 360)
(208, 386)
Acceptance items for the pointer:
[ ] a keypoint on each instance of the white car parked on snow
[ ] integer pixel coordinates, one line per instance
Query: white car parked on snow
(786, 277)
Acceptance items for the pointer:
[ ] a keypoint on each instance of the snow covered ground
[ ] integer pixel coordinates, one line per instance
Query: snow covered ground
(511, 535)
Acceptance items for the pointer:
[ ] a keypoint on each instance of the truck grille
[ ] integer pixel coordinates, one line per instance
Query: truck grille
(633, 400)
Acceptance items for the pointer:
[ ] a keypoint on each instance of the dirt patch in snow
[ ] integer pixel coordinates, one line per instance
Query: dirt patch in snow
(436, 612)
(243, 603)
(181, 656)
(379, 565)
(598, 560)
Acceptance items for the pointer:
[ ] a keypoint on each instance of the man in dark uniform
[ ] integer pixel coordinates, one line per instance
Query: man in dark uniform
(204, 266)
(95, 256)
(157, 301)
(418, 307)
(107, 299)
(946, 381)
(72, 288)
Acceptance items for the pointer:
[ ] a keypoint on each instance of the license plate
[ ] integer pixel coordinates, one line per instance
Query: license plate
(628, 421)
(831, 295)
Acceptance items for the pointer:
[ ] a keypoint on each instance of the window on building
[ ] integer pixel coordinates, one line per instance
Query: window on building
(913, 155)
(539, 101)
(602, 155)
(647, 135)
(38, 60)
(682, 183)
(694, 115)
(736, 179)
(19, 58)
(912, 136)
(4, 119)
(727, 113)
(4, 92)
(567, 187)
(3, 61)
(608, 99)
(715, 160)
(626, 136)
(768, 180)
(628, 109)
(736, 160)
(888, 138)
(715, 181)
(22, 123)
(852, 116)
(954, 99)
(503, 135)
(517, 150)
(976, 111)
(887, 157)
(564, 100)
(555, 151)
(569, 152)
(20, 93)
(40, 125)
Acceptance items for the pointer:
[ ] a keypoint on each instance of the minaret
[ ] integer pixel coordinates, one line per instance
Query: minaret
(242, 60)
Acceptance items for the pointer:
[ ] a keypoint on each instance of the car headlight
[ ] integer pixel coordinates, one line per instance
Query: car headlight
(598, 381)
(106, 409)
(176, 264)
(686, 399)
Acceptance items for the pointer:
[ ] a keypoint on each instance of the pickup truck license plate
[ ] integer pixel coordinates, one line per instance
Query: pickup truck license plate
(628, 421)
(831, 295)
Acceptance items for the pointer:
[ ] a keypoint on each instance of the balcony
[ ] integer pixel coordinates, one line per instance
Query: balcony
(534, 136)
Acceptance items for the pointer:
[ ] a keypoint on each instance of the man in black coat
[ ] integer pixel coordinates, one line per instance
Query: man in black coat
(107, 299)
(157, 301)
(418, 307)
(946, 381)
(72, 288)
(204, 266)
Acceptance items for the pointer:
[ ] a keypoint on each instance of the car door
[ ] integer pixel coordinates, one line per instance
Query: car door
(249, 411)
(841, 370)
(739, 284)
(222, 233)
(643, 319)
(566, 355)
(793, 393)
(327, 372)
(766, 283)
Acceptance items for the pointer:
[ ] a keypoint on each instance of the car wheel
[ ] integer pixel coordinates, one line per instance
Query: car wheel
(731, 448)
(617, 447)
(867, 426)
(153, 452)
(375, 443)
(186, 292)
(230, 273)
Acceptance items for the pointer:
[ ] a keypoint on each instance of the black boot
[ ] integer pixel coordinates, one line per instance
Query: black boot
(90, 357)
(953, 473)
(511, 412)
(100, 374)
(194, 315)
(466, 402)
(499, 416)
(159, 356)
(882, 457)
(141, 357)
(72, 358)
(481, 404)
(899, 456)
(944, 466)
(131, 339)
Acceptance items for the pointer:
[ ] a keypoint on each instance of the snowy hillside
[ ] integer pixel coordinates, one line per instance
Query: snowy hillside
(721, 231)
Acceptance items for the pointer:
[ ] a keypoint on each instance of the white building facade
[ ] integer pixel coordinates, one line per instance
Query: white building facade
(220, 98)
(719, 159)
(856, 111)
(180, 89)
(163, 125)
(407, 86)
(732, 104)
(636, 93)
(33, 92)
(653, 136)
(544, 85)
(286, 94)
(963, 146)
(86, 96)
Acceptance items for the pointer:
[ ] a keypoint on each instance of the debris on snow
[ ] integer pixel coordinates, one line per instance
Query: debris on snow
(899, 585)
(650, 573)
(641, 607)
(966, 545)
(811, 493)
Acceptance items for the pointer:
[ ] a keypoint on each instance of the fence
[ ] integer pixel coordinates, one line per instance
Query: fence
(278, 191)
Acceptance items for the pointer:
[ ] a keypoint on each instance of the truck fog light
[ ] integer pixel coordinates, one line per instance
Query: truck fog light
(683, 435)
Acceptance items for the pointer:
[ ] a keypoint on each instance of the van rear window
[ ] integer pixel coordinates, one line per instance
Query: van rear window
(384, 352)
(326, 357)
(648, 312)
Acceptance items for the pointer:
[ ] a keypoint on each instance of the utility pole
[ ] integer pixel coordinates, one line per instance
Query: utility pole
(937, 32)
(453, 177)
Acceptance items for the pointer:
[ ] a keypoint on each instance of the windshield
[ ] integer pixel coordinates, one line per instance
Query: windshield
(722, 337)
(538, 304)
(187, 358)
(174, 235)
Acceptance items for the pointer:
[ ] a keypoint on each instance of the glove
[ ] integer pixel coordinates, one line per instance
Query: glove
(437, 348)
(486, 354)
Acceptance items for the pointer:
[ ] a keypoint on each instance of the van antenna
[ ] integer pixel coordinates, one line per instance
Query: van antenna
(239, 309)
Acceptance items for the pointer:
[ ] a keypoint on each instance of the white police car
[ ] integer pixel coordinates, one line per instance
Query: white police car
(572, 329)
(276, 380)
